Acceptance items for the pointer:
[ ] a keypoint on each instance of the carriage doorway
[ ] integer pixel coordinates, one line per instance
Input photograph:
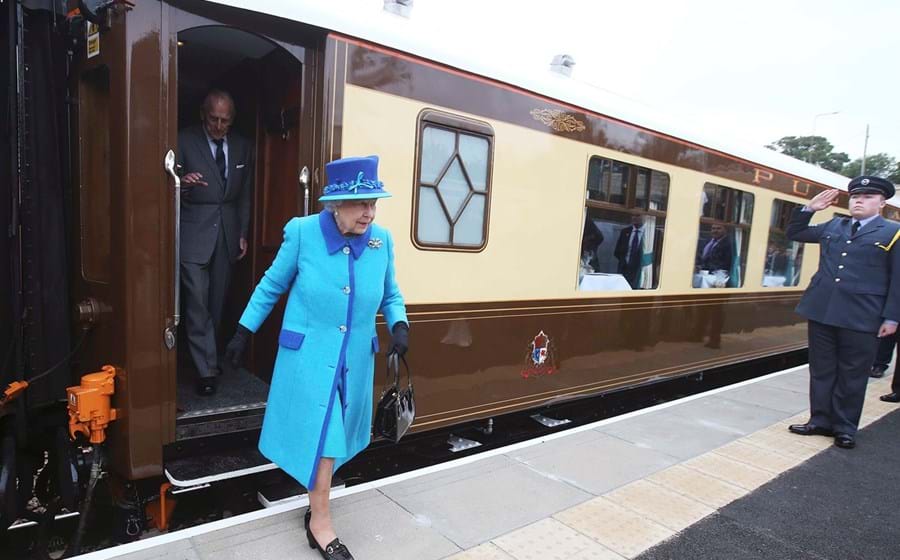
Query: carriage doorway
(269, 82)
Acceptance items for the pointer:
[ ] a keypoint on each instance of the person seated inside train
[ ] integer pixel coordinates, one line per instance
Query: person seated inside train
(714, 259)
(591, 239)
(630, 250)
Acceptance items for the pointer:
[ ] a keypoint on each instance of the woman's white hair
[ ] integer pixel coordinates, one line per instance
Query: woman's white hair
(332, 205)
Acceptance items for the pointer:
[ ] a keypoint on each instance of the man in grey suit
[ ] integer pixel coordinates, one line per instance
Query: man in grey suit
(217, 167)
(851, 302)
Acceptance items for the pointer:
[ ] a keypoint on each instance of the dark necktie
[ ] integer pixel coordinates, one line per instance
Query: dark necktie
(633, 251)
(854, 228)
(220, 157)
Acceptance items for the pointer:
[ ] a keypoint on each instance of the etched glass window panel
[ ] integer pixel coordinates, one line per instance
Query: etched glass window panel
(659, 191)
(641, 188)
(432, 224)
(598, 178)
(469, 229)
(618, 184)
(454, 189)
(438, 146)
(474, 152)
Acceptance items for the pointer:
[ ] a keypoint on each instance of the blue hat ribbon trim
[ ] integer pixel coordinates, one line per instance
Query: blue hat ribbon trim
(351, 186)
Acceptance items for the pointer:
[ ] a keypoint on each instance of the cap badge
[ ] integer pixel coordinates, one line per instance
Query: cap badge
(864, 182)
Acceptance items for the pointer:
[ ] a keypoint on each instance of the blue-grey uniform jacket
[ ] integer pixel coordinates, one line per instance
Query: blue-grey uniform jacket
(855, 287)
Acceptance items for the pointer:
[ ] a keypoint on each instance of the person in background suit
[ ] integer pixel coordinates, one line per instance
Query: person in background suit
(851, 302)
(716, 254)
(630, 249)
(217, 167)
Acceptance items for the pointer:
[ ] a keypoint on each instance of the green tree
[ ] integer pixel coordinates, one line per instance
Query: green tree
(879, 165)
(894, 177)
(813, 149)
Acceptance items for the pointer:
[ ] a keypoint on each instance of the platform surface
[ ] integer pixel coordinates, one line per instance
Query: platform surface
(715, 476)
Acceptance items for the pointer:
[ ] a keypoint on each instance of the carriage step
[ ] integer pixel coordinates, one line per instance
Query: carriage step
(282, 488)
(216, 466)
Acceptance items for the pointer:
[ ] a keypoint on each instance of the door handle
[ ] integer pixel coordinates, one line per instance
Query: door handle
(304, 186)
(169, 333)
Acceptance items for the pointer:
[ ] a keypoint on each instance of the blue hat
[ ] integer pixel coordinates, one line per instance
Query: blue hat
(353, 178)
(871, 184)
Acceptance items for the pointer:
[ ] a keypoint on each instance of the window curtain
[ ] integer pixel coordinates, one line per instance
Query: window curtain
(645, 279)
(734, 280)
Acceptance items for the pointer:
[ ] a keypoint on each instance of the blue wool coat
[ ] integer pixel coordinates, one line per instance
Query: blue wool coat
(320, 400)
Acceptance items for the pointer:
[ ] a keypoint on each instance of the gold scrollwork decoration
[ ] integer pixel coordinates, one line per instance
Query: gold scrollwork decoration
(558, 120)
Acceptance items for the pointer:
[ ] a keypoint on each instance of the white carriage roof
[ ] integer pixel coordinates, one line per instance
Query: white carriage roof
(402, 34)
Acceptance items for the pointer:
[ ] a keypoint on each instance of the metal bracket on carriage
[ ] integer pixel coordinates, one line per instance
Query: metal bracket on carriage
(458, 444)
(549, 422)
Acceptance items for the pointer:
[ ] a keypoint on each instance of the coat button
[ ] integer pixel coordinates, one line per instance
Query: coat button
(346, 250)
(342, 328)
(837, 279)
(346, 289)
(843, 254)
(849, 242)
(840, 266)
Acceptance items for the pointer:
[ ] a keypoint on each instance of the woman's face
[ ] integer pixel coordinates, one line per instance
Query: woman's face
(354, 216)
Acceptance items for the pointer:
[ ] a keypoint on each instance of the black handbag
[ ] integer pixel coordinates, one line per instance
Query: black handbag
(396, 408)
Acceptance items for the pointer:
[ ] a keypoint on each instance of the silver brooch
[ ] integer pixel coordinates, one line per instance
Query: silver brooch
(375, 243)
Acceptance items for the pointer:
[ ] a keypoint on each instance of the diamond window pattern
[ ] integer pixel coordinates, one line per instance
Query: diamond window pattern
(453, 187)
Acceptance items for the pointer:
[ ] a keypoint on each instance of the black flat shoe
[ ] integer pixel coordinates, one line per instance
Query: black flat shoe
(809, 430)
(891, 397)
(876, 373)
(206, 387)
(336, 550)
(844, 441)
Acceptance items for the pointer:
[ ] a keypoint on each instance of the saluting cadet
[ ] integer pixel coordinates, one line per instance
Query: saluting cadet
(851, 302)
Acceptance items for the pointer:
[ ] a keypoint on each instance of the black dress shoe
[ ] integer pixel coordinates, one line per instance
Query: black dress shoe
(335, 550)
(809, 430)
(206, 386)
(877, 372)
(891, 397)
(844, 441)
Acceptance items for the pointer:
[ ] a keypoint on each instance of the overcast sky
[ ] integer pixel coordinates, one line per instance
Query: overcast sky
(752, 72)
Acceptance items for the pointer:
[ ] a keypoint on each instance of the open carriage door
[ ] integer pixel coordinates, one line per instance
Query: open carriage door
(272, 68)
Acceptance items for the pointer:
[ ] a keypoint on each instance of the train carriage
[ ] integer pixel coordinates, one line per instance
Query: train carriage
(513, 199)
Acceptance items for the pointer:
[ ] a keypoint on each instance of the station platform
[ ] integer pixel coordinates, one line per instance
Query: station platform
(714, 475)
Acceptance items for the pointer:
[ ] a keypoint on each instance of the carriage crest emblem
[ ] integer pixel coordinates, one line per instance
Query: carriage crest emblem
(541, 357)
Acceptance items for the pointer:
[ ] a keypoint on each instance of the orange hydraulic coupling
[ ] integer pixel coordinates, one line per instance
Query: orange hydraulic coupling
(89, 405)
(12, 391)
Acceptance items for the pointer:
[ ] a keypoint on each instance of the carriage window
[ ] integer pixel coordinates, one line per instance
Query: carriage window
(725, 216)
(453, 177)
(624, 221)
(783, 257)
(94, 164)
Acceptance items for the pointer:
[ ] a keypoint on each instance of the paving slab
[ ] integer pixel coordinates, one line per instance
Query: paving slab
(776, 398)
(548, 539)
(715, 412)
(673, 434)
(797, 381)
(473, 509)
(616, 527)
(178, 550)
(593, 461)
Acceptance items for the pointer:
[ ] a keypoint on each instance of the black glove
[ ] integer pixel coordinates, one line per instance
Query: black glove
(399, 339)
(236, 346)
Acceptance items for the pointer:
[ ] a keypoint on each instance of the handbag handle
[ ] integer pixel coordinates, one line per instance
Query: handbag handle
(394, 360)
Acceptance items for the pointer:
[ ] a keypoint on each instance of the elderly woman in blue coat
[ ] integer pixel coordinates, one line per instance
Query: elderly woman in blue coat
(337, 268)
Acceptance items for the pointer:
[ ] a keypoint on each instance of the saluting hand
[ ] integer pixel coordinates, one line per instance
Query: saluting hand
(824, 199)
(887, 329)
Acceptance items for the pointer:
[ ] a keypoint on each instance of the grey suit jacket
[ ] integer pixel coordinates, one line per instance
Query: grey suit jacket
(857, 285)
(218, 205)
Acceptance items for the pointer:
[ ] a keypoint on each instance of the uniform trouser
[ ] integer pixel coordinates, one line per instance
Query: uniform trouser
(885, 352)
(204, 286)
(839, 365)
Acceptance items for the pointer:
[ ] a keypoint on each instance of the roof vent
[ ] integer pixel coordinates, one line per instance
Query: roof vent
(562, 63)
(399, 7)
